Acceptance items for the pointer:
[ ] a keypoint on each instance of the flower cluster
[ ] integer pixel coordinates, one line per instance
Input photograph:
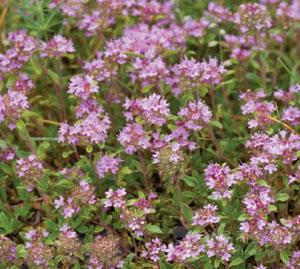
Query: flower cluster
(219, 247)
(260, 109)
(108, 164)
(8, 250)
(189, 247)
(219, 179)
(22, 48)
(12, 105)
(83, 86)
(154, 109)
(68, 244)
(56, 47)
(30, 170)
(206, 216)
(190, 75)
(133, 215)
(89, 130)
(133, 138)
(81, 195)
(105, 252)
(252, 17)
(195, 115)
(153, 249)
(39, 255)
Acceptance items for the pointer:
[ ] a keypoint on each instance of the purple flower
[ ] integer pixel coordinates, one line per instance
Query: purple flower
(56, 47)
(294, 261)
(23, 84)
(29, 169)
(8, 250)
(189, 75)
(133, 138)
(291, 115)
(219, 179)
(149, 71)
(154, 248)
(83, 86)
(195, 115)
(154, 109)
(252, 17)
(12, 104)
(188, 248)
(115, 198)
(100, 69)
(206, 216)
(218, 13)
(108, 164)
(90, 130)
(219, 247)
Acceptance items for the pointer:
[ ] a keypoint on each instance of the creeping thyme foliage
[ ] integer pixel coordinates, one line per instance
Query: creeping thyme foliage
(149, 134)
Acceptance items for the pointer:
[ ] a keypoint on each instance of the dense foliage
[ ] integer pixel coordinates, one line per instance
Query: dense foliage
(150, 134)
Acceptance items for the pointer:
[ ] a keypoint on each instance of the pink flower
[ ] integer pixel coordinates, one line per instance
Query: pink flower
(252, 17)
(89, 130)
(100, 69)
(115, 198)
(291, 115)
(24, 84)
(12, 105)
(206, 216)
(219, 179)
(56, 47)
(190, 75)
(188, 248)
(83, 86)
(29, 169)
(195, 115)
(153, 249)
(108, 164)
(133, 138)
(260, 109)
(217, 13)
(149, 71)
(219, 247)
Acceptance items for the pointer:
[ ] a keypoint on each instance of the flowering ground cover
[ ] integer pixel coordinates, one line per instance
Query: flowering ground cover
(149, 134)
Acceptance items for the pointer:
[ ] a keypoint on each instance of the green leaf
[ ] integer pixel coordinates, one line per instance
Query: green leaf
(126, 170)
(147, 88)
(66, 154)
(153, 229)
(53, 76)
(65, 184)
(21, 126)
(190, 181)
(282, 197)
(242, 217)
(217, 263)
(8, 224)
(250, 250)
(89, 148)
(21, 251)
(272, 208)
(165, 265)
(216, 124)
(284, 256)
(236, 261)
(187, 213)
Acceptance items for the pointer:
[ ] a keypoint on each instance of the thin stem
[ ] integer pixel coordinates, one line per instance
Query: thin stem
(59, 91)
(283, 124)
(144, 171)
(182, 220)
(49, 122)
